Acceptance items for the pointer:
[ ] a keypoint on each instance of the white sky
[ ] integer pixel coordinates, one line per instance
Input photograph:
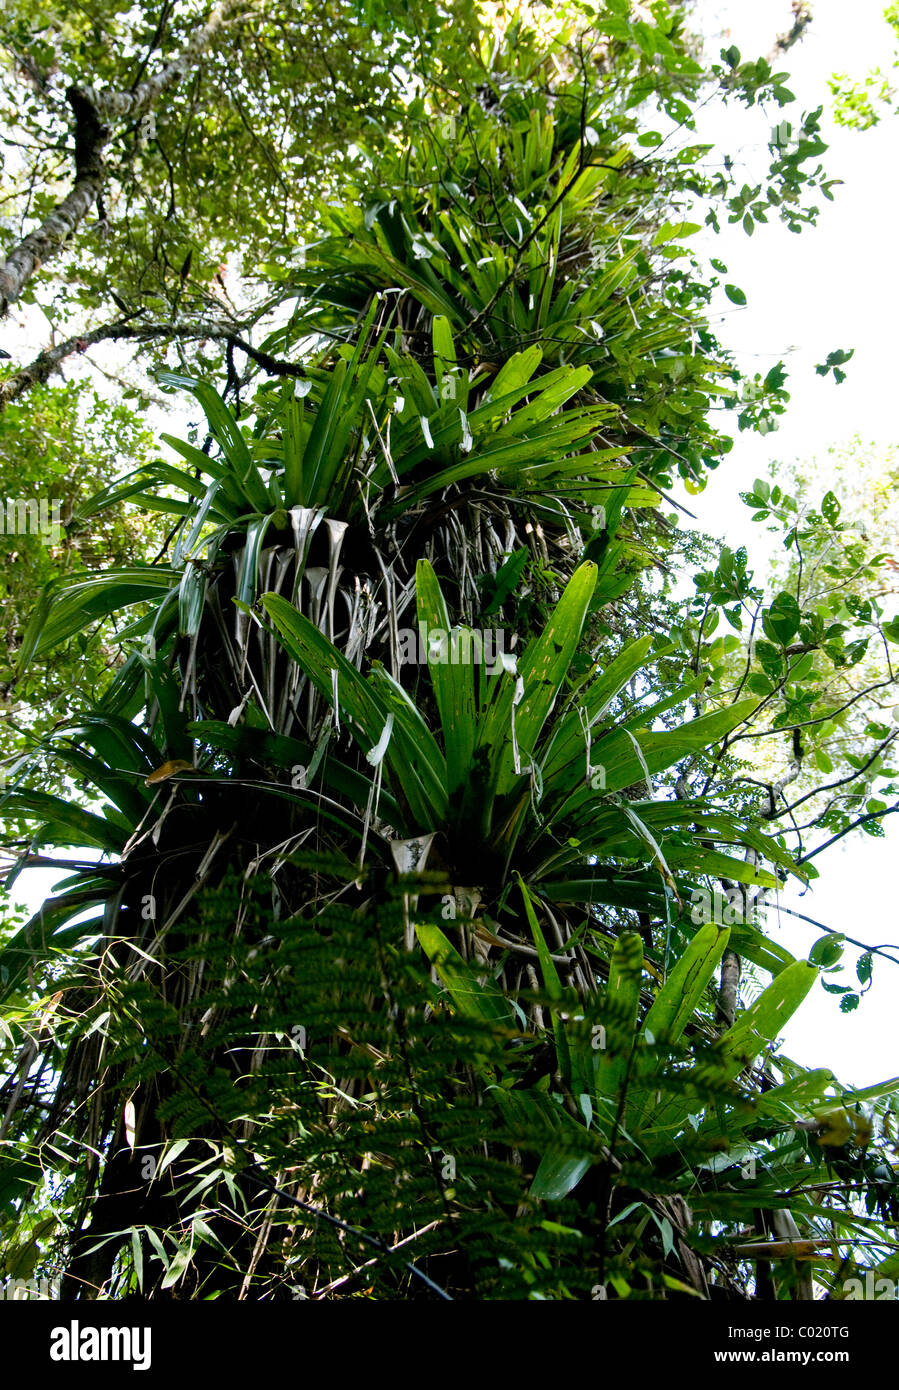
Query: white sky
(834, 286)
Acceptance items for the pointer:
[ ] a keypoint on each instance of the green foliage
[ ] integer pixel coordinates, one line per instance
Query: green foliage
(304, 1027)
(860, 103)
(835, 361)
(378, 966)
(279, 98)
(55, 452)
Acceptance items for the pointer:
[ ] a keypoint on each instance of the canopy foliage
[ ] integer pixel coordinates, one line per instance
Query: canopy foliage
(415, 869)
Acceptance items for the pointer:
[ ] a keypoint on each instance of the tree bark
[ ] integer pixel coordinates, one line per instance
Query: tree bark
(109, 102)
(91, 106)
(42, 367)
(729, 991)
(40, 245)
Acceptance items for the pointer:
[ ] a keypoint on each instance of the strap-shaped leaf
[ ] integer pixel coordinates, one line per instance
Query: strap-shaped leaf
(38, 942)
(122, 490)
(128, 794)
(623, 764)
(191, 600)
(122, 743)
(553, 987)
(366, 711)
(202, 462)
(226, 430)
(639, 888)
(249, 558)
(768, 955)
(547, 265)
(557, 435)
(317, 475)
(477, 1000)
(516, 371)
(453, 682)
(64, 822)
(795, 1097)
(756, 1027)
(549, 398)
(294, 450)
(543, 670)
(279, 751)
(559, 1172)
(568, 743)
(66, 609)
(762, 1022)
(444, 347)
(412, 745)
(710, 861)
(327, 458)
(318, 657)
(675, 1002)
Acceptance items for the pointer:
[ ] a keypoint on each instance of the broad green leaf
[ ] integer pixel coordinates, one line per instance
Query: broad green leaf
(781, 620)
(557, 1175)
(543, 670)
(453, 682)
(478, 1000)
(762, 1022)
(676, 1001)
(413, 755)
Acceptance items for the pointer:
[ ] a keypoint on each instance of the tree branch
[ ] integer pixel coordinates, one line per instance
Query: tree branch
(861, 820)
(91, 137)
(108, 101)
(50, 360)
(91, 106)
